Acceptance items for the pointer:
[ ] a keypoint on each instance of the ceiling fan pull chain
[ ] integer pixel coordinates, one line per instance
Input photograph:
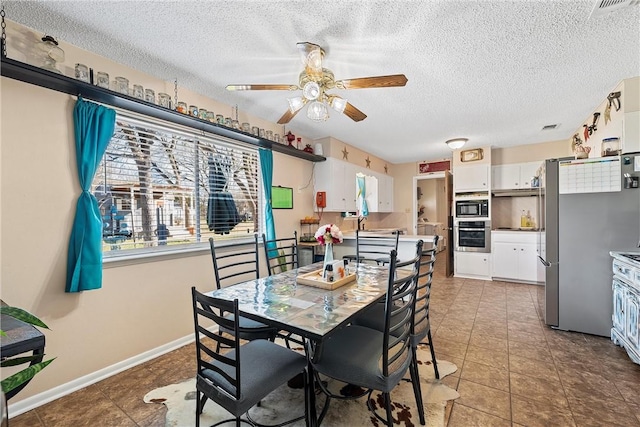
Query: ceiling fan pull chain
(175, 91)
(4, 33)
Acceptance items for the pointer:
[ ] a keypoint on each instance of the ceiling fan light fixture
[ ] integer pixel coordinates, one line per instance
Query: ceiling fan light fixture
(314, 59)
(456, 143)
(295, 104)
(338, 104)
(317, 111)
(311, 91)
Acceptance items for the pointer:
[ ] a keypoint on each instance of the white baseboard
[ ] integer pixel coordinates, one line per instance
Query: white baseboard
(65, 389)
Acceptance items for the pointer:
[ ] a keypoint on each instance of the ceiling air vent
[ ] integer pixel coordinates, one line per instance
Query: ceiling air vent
(549, 127)
(602, 7)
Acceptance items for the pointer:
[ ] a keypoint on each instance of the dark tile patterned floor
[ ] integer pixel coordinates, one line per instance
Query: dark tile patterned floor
(512, 370)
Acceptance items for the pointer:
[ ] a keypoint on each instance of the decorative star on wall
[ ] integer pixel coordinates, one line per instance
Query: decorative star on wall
(345, 154)
(386, 169)
(368, 160)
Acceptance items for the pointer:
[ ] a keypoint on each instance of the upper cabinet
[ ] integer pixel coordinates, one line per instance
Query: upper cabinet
(514, 176)
(471, 178)
(338, 180)
(379, 192)
(385, 193)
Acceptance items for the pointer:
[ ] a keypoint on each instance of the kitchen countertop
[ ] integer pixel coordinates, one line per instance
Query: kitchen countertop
(510, 230)
(621, 256)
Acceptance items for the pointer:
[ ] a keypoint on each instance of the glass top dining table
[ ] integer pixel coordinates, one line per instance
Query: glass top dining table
(305, 310)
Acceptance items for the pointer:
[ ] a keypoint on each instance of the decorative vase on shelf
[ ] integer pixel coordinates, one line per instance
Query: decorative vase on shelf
(328, 255)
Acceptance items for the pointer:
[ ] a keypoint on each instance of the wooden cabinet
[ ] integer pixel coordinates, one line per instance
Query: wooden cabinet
(626, 308)
(514, 176)
(338, 180)
(474, 265)
(515, 256)
(471, 178)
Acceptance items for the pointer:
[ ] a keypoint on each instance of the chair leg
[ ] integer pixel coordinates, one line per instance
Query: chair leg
(198, 410)
(433, 355)
(417, 389)
(387, 404)
(202, 401)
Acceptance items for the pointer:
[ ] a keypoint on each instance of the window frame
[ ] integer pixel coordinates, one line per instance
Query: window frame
(157, 252)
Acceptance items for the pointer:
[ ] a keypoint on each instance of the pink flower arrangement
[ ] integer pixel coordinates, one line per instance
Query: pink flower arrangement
(329, 233)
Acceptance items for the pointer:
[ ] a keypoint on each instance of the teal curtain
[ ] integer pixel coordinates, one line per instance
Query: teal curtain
(93, 125)
(266, 167)
(364, 208)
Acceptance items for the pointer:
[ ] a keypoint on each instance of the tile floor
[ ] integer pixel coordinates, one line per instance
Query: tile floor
(513, 370)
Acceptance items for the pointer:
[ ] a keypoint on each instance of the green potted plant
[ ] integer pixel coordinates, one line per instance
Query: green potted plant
(16, 380)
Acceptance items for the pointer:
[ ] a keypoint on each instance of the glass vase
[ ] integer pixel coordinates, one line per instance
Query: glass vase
(328, 255)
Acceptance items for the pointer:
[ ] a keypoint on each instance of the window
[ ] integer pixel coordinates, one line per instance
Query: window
(161, 186)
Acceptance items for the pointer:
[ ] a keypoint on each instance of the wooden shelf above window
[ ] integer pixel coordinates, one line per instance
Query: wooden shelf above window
(40, 77)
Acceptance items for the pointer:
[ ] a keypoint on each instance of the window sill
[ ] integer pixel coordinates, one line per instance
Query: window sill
(124, 258)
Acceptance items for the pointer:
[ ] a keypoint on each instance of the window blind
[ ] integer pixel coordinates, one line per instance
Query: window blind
(163, 185)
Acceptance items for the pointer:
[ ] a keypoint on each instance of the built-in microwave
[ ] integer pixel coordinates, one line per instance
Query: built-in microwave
(477, 208)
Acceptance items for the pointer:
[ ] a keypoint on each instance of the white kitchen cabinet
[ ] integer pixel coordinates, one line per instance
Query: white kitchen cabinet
(514, 256)
(514, 176)
(471, 178)
(626, 306)
(371, 195)
(338, 180)
(378, 192)
(385, 193)
(632, 311)
(618, 317)
(472, 264)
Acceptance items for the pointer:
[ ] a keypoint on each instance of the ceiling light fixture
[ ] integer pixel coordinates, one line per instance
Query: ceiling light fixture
(457, 143)
(296, 103)
(317, 111)
(311, 91)
(337, 103)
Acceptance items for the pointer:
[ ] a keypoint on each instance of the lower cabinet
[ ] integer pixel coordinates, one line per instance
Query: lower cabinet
(515, 256)
(626, 309)
(472, 264)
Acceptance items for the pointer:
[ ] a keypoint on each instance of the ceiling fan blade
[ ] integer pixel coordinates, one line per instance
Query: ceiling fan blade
(375, 81)
(353, 113)
(262, 87)
(286, 117)
(311, 55)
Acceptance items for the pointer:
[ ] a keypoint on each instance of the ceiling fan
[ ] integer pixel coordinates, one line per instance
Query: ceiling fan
(315, 81)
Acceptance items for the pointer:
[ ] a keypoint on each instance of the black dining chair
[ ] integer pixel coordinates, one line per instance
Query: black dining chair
(244, 375)
(374, 246)
(281, 254)
(234, 265)
(374, 318)
(369, 358)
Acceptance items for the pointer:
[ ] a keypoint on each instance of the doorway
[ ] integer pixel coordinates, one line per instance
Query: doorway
(431, 213)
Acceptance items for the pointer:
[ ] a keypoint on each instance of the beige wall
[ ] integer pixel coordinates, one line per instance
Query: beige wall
(142, 305)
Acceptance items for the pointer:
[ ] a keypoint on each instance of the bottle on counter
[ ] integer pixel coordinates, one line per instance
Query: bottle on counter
(523, 220)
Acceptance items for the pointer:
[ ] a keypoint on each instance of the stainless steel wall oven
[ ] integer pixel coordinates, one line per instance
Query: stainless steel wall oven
(472, 236)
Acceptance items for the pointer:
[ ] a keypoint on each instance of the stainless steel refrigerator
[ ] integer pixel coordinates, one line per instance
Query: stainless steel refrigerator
(585, 212)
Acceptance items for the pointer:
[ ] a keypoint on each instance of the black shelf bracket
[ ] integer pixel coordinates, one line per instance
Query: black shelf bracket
(40, 77)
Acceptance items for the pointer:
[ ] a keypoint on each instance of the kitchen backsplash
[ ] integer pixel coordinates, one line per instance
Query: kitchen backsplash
(506, 211)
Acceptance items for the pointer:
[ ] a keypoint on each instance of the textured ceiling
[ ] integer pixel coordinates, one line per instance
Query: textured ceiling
(495, 72)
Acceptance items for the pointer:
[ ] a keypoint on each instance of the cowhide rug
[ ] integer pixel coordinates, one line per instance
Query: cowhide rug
(286, 403)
